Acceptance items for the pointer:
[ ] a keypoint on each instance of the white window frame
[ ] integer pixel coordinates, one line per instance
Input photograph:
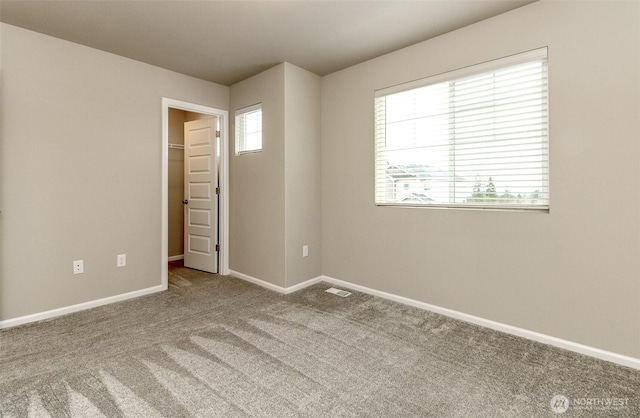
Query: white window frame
(242, 146)
(386, 192)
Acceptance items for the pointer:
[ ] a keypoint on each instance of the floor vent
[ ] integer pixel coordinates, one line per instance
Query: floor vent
(338, 292)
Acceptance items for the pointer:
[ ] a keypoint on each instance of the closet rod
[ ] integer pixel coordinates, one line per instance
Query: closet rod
(176, 146)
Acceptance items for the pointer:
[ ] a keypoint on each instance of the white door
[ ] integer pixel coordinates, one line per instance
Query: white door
(201, 198)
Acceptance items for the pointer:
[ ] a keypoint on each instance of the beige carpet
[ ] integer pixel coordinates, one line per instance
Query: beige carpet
(216, 346)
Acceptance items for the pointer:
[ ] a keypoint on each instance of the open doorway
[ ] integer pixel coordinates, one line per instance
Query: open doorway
(176, 112)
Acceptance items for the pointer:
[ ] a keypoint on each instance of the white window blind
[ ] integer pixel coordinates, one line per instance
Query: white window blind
(475, 137)
(249, 129)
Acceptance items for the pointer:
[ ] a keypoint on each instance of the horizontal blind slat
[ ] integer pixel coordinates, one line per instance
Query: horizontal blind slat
(481, 140)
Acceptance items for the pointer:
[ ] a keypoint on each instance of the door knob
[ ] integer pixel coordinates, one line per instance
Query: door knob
(185, 202)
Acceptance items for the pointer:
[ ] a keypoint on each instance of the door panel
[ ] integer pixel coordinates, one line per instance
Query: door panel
(199, 245)
(199, 218)
(201, 202)
(200, 164)
(200, 191)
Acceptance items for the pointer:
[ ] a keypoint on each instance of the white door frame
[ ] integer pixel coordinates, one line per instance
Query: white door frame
(223, 212)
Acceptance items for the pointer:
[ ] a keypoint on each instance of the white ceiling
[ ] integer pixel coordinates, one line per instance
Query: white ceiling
(228, 41)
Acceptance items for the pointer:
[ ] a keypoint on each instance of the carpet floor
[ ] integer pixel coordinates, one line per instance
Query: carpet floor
(216, 346)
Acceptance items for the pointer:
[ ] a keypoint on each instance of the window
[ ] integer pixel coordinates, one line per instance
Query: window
(249, 129)
(473, 138)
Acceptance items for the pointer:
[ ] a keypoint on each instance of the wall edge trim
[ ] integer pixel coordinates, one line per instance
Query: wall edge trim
(609, 356)
(598, 353)
(274, 287)
(54, 313)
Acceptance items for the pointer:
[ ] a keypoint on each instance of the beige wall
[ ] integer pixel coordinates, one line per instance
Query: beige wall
(175, 175)
(256, 180)
(302, 174)
(573, 273)
(81, 170)
(83, 129)
(191, 116)
(275, 193)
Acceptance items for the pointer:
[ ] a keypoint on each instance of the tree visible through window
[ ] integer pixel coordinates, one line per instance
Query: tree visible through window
(476, 137)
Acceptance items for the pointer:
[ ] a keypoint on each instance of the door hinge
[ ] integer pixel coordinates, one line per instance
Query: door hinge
(217, 247)
(217, 134)
(217, 190)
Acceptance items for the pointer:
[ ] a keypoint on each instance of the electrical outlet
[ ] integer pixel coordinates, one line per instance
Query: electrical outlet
(78, 266)
(122, 260)
(305, 251)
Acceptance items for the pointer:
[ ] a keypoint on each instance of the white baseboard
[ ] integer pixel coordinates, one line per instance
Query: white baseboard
(176, 257)
(487, 323)
(79, 307)
(498, 326)
(276, 288)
